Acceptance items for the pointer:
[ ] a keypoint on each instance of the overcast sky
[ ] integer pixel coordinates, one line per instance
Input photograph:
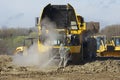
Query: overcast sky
(22, 13)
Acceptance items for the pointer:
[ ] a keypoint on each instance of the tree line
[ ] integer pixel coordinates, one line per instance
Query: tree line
(111, 30)
(10, 38)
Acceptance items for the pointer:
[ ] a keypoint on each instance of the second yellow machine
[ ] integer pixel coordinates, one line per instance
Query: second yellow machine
(108, 48)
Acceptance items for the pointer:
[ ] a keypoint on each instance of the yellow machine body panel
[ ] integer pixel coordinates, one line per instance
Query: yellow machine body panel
(117, 48)
(101, 49)
(116, 42)
(75, 49)
(101, 43)
(21, 50)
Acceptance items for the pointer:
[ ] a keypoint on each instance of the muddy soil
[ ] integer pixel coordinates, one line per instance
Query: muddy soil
(100, 69)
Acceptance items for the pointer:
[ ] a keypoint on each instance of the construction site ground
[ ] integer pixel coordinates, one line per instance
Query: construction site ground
(100, 69)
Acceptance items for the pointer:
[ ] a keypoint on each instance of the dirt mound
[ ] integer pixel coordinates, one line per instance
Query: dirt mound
(5, 60)
(97, 67)
(109, 69)
(102, 66)
(90, 67)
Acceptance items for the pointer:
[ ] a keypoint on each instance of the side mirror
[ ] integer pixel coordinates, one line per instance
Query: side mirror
(37, 19)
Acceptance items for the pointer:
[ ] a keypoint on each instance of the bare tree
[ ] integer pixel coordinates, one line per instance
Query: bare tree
(112, 30)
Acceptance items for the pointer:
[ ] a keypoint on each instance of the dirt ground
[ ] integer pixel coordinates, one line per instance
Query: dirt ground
(100, 69)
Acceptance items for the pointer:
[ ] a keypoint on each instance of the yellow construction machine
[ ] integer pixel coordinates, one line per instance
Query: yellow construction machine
(27, 42)
(108, 48)
(114, 47)
(59, 24)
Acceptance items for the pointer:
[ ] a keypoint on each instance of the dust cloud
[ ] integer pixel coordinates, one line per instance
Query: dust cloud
(51, 35)
(27, 58)
(32, 56)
